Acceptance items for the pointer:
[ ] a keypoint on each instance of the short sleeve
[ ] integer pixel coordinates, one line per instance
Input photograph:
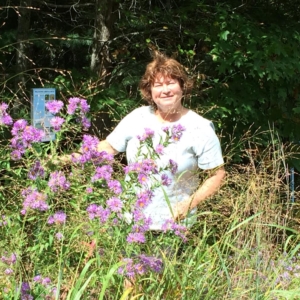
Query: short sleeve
(207, 148)
(123, 132)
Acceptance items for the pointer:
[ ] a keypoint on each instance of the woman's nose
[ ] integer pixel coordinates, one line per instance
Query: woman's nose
(165, 88)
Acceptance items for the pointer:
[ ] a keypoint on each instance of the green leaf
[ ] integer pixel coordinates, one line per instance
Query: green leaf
(224, 34)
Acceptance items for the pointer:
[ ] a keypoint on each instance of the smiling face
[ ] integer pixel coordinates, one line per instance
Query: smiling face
(166, 93)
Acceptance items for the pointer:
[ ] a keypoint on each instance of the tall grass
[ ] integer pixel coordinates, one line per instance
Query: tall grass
(245, 244)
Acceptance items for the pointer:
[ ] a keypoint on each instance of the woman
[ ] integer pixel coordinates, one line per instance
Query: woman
(164, 85)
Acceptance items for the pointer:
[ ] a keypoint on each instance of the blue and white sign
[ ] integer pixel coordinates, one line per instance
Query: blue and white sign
(40, 117)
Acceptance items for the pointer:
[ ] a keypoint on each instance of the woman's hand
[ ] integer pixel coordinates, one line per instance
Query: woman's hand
(181, 209)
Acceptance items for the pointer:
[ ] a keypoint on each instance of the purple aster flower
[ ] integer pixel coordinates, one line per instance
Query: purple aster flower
(115, 186)
(19, 126)
(32, 135)
(159, 149)
(149, 166)
(3, 107)
(5, 118)
(85, 108)
(46, 281)
(142, 178)
(77, 103)
(97, 211)
(166, 129)
(8, 271)
(140, 265)
(23, 137)
(37, 278)
(133, 167)
(127, 269)
(86, 123)
(90, 152)
(25, 287)
(3, 222)
(26, 297)
(176, 132)
(9, 260)
(92, 210)
(138, 215)
(165, 180)
(56, 123)
(136, 237)
(139, 268)
(36, 171)
(149, 133)
(59, 235)
(34, 200)
(178, 229)
(173, 166)
(89, 143)
(151, 262)
(103, 172)
(58, 218)
(115, 204)
(16, 154)
(89, 190)
(144, 198)
(58, 181)
(73, 105)
(54, 106)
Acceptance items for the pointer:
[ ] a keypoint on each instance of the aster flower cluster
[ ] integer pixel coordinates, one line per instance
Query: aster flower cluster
(141, 222)
(97, 211)
(81, 107)
(5, 118)
(3, 220)
(54, 106)
(33, 199)
(23, 137)
(76, 106)
(36, 171)
(57, 123)
(59, 218)
(174, 132)
(90, 152)
(289, 270)
(178, 229)
(9, 261)
(140, 265)
(148, 134)
(40, 284)
(58, 181)
(143, 170)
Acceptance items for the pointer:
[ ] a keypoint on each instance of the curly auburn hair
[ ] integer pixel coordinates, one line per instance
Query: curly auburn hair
(167, 67)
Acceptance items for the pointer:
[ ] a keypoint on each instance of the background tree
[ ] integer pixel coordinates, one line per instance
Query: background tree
(244, 56)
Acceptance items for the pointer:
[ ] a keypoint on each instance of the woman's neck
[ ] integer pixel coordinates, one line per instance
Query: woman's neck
(171, 115)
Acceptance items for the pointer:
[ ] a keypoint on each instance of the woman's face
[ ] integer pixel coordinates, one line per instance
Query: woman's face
(166, 93)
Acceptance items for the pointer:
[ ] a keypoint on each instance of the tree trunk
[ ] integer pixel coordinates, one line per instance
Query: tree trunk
(104, 20)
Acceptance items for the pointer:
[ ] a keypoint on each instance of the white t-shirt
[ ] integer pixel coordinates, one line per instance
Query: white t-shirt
(199, 147)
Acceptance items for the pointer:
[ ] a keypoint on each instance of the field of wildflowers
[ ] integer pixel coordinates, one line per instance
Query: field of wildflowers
(75, 229)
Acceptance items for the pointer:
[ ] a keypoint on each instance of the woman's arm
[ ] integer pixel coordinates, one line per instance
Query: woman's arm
(67, 158)
(106, 146)
(209, 187)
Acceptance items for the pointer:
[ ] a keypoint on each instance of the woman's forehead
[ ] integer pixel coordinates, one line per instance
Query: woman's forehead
(159, 77)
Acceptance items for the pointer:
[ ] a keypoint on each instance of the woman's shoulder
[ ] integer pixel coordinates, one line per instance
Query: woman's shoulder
(197, 120)
(142, 111)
